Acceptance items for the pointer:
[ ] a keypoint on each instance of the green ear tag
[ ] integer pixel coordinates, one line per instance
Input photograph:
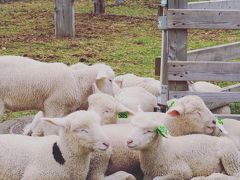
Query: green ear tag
(219, 120)
(163, 131)
(171, 103)
(123, 115)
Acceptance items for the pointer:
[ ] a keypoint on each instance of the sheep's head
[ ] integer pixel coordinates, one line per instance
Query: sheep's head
(107, 107)
(192, 112)
(82, 128)
(147, 129)
(104, 79)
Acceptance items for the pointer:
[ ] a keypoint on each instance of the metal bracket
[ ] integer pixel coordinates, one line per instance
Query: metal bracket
(163, 98)
(164, 3)
(162, 22)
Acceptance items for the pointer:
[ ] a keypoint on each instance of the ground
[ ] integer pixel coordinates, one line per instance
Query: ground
(126, 37)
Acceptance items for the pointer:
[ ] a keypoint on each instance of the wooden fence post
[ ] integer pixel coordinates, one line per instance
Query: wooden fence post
(177, 44)
(174, 47)
(64, 18)
(99, 6)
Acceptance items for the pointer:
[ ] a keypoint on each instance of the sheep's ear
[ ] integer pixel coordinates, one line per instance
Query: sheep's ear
(60, 122)
(122, 108)
(95, 89)
(176, 111)
(118, 80)
(116, 88)
(140, 108)
(101, 74)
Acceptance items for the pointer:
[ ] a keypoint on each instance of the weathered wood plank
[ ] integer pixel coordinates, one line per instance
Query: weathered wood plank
(177, 44)
(216, 4)
(230, 116)
(209, 71)
(64, 18)
(203, 19)
(212, 99)
(217, 53)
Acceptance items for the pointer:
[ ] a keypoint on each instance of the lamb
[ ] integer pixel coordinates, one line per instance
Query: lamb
(181, 157)
(177, 125)
(53, 88)
(153, 86)
(66, 156)
(125, 100)
(193, 108)
(129, 80)
(202, 86)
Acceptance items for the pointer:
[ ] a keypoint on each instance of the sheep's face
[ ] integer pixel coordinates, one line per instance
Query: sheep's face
(192, 111)
(144, 133)
(104, 79)
(105, 106)
(87, 130)
(83, 128)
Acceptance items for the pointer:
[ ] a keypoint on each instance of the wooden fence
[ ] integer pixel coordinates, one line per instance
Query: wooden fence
(177, 66)
(65, 16)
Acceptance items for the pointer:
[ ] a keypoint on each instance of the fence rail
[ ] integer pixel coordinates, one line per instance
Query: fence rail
(178, 66)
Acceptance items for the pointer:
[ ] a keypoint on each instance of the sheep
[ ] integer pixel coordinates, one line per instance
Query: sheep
(125, 100)
(180, 124)
(231, 126)
(181, 157)
(153, 86)
(129, 80)
(66, 156)
(202, 86)
(53, 88)
(193, 108)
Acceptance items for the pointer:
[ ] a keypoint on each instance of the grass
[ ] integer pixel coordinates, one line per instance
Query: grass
(126, 37)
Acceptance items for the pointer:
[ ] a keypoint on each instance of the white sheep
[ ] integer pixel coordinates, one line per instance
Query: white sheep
(181, 157)
(124, 100)
(129, 80)
(193, 108)
(202, 86)
(53, 88)
(122, 159)
(153, 86)
(66, 156)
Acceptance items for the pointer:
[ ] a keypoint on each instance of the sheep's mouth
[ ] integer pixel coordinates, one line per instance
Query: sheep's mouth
(132, 146)
(103, 147)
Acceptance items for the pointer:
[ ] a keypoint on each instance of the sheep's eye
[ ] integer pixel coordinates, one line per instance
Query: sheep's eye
(84, 130)
(148, 131)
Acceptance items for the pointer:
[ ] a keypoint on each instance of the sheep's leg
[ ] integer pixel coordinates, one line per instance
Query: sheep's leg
(98, 165)
(231, 160)
(120, 175)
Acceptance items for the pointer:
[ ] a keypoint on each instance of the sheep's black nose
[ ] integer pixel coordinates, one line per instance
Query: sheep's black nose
(214, 122)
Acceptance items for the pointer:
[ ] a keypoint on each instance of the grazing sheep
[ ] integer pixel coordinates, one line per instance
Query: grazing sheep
(53, 88)
(153, 86)
(181, 157)
(66, 156)
(125, 100)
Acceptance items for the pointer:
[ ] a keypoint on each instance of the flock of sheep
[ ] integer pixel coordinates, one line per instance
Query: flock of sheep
(97, 126)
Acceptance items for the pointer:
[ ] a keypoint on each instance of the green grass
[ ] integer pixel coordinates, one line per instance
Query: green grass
(126, 37)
